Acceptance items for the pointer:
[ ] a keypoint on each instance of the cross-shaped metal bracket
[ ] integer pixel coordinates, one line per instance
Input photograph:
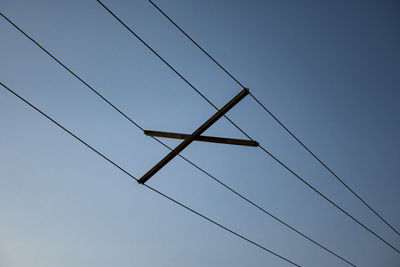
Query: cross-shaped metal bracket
(196, 136)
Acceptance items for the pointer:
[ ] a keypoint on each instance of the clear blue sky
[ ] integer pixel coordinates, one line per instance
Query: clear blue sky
(330, 70)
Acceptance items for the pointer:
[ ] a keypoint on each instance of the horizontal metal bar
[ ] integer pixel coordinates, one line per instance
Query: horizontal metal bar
(194, 135)
(213, 139)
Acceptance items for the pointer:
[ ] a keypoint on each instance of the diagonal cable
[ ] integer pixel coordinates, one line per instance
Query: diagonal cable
(263, 149)
(276, 119)
(165, 145)
(149, 187)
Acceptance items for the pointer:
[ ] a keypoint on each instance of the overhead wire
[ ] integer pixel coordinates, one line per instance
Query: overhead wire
(165, 145)
(169, 65)
(276, 119)
(149, 187)
(262, 148)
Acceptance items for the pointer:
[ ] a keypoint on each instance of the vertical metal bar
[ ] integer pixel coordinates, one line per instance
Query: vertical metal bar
(195, 134)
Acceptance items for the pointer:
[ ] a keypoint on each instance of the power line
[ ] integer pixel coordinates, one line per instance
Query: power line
(262, 148)
(275, 118)
(328, 199)
(169, 65)
(196, 44)
(326, 167)
(184, 158)
(273, 216)
(149, 187)
(70, 71)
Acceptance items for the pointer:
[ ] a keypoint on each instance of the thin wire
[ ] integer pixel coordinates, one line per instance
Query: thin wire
(70, 71)
(323, 164)
(169, 65)
(275, 118)
(268, 213)
(149, 187)
(263, 149)
(184, 158)
(196, 44)
(328, 199)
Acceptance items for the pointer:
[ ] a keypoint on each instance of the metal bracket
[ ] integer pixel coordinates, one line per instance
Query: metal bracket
(202, 138)
(196, 135)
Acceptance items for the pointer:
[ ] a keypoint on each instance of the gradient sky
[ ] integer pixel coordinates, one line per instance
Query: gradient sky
(330, 70)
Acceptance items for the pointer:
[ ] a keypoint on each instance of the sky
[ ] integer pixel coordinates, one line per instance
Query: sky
(329, 70)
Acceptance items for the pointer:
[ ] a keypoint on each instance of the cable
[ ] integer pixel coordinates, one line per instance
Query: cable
(275, 118)
(329, 200)
(184, 158)
(149, 187)
(70, 71)
(263, 149)
(169, 65)
(326, 167)
(196, 44)
(270, 214)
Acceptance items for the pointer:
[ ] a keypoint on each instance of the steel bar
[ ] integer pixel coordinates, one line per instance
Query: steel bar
(194, 135)
(213, 139)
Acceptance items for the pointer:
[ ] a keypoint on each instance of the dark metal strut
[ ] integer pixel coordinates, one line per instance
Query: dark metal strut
(194, 136)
